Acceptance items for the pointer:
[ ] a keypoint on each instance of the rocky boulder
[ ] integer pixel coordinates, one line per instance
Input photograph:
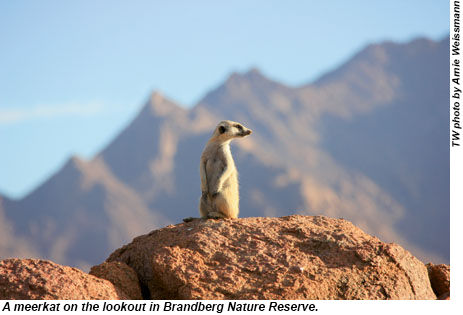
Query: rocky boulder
(293, 257)
(35, 279)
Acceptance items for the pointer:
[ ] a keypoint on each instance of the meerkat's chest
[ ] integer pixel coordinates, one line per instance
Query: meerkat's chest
(219, 160)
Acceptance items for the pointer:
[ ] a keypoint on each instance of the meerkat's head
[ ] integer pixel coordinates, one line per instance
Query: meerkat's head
(228, 130)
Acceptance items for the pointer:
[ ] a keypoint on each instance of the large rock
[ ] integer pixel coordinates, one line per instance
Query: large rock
(440, 280)
(35, 279)
(294, 257)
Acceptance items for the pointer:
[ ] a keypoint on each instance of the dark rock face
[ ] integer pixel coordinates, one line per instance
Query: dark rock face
(294, 257)
(35, 279)
(440, 280)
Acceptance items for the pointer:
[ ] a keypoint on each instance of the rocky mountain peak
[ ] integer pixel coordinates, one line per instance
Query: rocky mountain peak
(160, 106)
(75, 162)
(253, 77)
(240, 93)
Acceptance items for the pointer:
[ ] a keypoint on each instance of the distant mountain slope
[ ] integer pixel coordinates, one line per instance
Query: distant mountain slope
(11, 244)
(405, 140)
(81, 213)
(364, 142)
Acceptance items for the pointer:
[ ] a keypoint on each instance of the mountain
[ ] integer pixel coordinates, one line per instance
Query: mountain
(367, 142)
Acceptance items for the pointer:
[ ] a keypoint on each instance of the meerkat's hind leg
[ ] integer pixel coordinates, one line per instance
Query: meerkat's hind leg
(204, 207)
(207, 210)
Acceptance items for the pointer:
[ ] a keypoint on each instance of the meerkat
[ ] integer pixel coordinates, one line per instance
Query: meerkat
(219, 177)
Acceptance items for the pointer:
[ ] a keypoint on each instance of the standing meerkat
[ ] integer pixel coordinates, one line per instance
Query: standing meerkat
(219, 178)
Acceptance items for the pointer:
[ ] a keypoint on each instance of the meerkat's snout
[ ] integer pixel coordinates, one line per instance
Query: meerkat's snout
(247, 132)
(242, 131)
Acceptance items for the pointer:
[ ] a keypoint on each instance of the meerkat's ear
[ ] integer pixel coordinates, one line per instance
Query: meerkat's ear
(222, 129)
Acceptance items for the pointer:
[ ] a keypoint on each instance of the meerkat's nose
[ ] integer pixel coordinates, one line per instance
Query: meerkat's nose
(249, 131)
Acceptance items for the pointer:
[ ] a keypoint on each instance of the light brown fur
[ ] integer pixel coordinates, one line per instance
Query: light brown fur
(219, 177)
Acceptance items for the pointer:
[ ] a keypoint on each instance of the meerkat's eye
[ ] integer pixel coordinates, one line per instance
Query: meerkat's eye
(222, 129)
(240, 128)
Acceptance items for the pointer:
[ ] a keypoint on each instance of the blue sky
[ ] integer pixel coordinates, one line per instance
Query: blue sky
(74, 73)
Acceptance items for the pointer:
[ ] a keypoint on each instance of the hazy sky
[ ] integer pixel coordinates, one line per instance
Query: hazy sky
(72, 74)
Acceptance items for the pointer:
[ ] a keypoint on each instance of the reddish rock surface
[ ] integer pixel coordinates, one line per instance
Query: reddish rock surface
(294, 257)
(123, 278)
(35, 279)
(440, 280)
